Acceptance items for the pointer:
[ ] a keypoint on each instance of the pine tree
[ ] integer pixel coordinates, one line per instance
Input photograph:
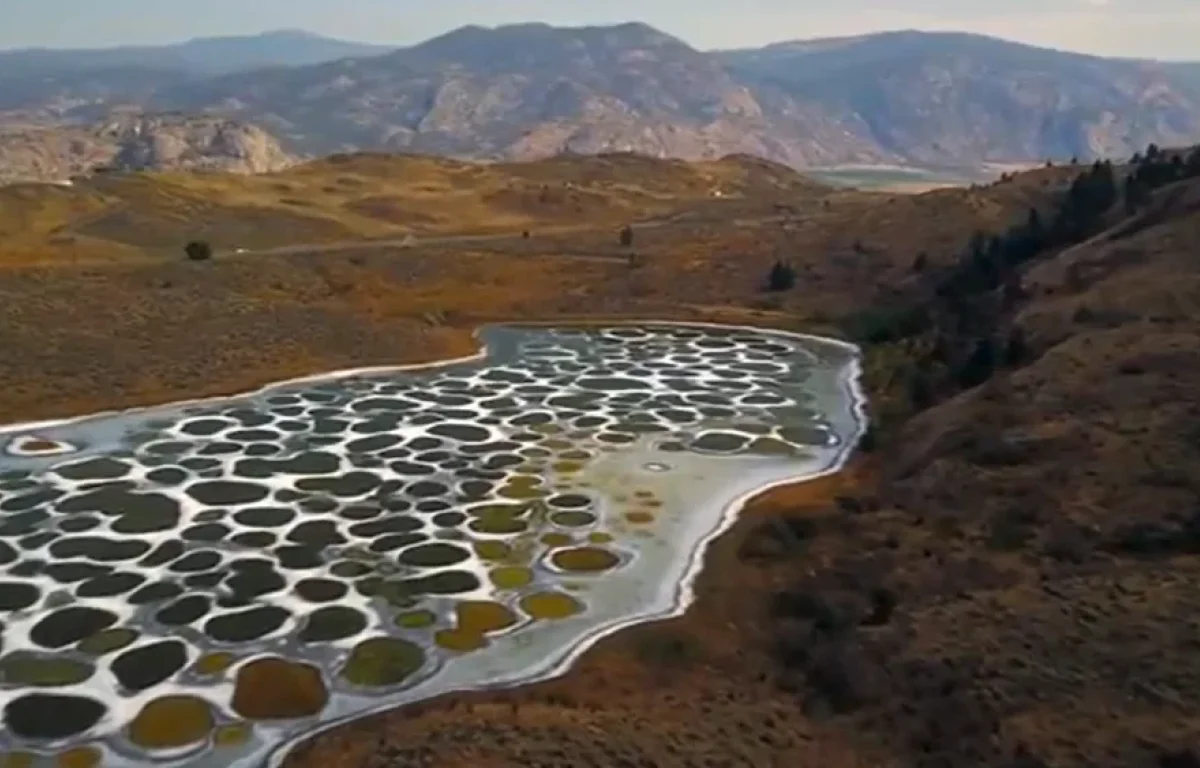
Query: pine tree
(920, 390)
(1016, 350)
(198, 250)
(979, 366)
(1103, 185)
(1136, 194)
(1193, 163)
(781, 277)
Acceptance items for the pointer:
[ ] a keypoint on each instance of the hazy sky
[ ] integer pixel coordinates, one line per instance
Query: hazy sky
(1150, 28)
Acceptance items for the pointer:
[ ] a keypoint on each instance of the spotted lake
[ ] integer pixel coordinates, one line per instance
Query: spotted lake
(202, 584)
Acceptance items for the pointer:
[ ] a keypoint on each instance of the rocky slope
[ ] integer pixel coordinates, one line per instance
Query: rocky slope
(930, 97)
(532, 90)
(136, 143)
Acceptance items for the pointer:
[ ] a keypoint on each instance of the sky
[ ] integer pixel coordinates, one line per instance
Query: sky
(1166, 29)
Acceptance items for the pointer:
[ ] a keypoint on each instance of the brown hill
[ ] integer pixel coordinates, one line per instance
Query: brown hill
(355, 198)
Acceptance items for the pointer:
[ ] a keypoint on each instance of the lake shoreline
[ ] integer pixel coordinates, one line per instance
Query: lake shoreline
(614, 673)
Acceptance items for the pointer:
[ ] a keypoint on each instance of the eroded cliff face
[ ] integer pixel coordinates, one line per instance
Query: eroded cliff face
(137, 142)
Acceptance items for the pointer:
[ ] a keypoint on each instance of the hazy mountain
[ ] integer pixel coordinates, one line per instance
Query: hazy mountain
(930, 96)
(201, 56)
(531, 89)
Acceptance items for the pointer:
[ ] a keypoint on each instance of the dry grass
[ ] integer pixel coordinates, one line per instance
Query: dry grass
(346, 198)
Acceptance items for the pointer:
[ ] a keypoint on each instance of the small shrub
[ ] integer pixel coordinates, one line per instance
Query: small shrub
(1016, 350)
(661, 647)
(845, 679)
(1069, 544)
(782, 277)
(198, 250)
(880, 325)
(1010, 530)
(883, 605)
(778, 537)
(869, 441)
(920, 391)
(1185, 758)
(979, 366)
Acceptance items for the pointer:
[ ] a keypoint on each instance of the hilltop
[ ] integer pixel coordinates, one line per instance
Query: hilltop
(949, 101)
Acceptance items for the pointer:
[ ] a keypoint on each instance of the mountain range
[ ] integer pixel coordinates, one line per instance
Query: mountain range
(943, 100)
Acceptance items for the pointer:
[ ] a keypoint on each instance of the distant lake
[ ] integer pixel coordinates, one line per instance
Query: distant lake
(203, 583)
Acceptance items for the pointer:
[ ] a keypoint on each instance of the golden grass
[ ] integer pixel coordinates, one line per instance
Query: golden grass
(354, 197)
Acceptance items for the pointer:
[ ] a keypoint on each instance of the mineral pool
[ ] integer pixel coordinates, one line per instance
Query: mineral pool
(204, 583)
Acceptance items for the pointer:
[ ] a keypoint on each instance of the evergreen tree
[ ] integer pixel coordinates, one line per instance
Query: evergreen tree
(626, 236)
(198, 250)
(1136, 194)
(979, 365)
(1103, 187)
(781, 277)
(1193, 163)
(1014, 291)
(920, 390)
(1016, 350)
(1033, 224)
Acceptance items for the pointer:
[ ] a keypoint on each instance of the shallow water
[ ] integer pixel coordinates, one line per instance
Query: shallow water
(203, 583)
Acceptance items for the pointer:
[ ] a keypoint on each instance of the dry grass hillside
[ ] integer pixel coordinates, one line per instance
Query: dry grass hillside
(354, 197)
(115, 305)
(1005, 577)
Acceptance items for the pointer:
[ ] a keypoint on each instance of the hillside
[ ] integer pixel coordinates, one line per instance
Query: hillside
(948, 101)
(529, 91)
(352, 198)
(933, 96)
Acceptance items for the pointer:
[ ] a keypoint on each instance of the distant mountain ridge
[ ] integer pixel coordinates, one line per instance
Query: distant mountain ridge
(199, 56)
(531, 90)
